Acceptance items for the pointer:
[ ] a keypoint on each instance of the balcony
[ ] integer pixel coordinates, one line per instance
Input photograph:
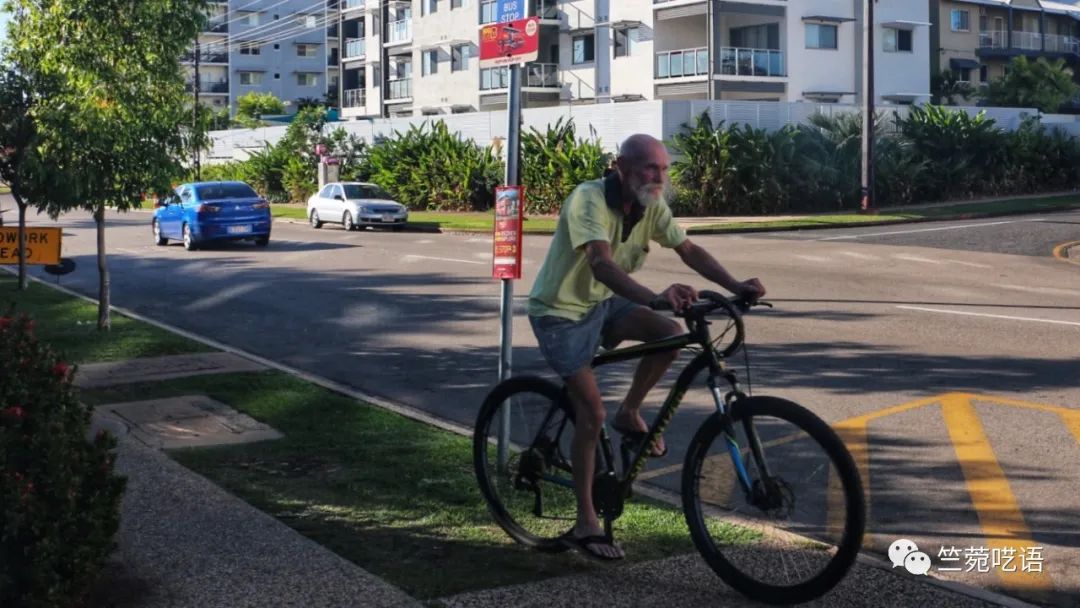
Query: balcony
(997, 43)
(349, 5)
(399, 32)
(355, 48)
(207, 87)
(399, 89)
(213, 57)
(354, 98)
(752, 62)
(536, 76)
(683, 62)
(216, 26)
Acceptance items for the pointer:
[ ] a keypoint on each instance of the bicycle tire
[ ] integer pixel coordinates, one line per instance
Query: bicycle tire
(855, 512)
(502, 393)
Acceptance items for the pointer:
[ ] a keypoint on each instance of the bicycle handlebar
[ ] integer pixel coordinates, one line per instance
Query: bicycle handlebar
(709, 301)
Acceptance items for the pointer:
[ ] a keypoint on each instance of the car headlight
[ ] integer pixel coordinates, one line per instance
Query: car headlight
(361, 209)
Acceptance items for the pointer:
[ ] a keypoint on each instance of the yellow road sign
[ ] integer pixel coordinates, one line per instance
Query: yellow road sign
(42, 245)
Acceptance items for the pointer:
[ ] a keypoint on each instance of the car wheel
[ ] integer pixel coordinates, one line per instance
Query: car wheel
(158, 238)
(189, 240)
(347, 222)
(315, 221)
(262, 241)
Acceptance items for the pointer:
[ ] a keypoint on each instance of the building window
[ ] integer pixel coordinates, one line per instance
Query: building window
(429, 62)
(487, 11)
(250, 18)
(983, 74)
(897, 40)
(307, 50)
(307, 21)
(459, 3)
(584, 48)
(820, 36)
(984, 23)
(626, 40)
(251, 78)
(963, 75)
(429, 7)
(459, 58)
(250, 48)
(961, 20)
(307, 79)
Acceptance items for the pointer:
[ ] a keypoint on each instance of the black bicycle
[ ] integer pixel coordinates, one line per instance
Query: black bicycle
(780, 529)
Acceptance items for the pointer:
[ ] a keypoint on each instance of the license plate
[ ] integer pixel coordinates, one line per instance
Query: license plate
(239, 229)
(387, 218)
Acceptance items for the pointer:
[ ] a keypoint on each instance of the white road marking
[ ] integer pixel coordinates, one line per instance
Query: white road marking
(813, 258)
(860, 236)
(915, 258)
(971, 264)
(479, 240)
(861, 256)
(424, 242)
(124, 250)
(427, 257)
(989, 316)
(222, 296)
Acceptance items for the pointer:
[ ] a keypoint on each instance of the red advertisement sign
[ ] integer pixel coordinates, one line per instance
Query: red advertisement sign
(509, 201)
(511, 42)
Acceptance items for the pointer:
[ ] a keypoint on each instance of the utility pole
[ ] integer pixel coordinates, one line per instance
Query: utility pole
(867, 203)
(195, 113)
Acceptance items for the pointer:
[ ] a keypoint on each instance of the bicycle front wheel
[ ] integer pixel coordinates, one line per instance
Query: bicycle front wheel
(521, 452)
(796, 534)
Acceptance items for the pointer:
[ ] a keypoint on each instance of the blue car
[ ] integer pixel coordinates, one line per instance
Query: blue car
(202, 212)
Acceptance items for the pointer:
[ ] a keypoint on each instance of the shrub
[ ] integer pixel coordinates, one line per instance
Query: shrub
(59, 499)
(553, 163)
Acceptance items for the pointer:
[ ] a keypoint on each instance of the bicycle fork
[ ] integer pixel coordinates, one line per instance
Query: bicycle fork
(724, 404)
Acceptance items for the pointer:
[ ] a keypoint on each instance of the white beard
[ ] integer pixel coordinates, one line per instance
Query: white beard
(648, 195)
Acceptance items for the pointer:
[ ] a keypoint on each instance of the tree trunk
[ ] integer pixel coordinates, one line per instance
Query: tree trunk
(104, 322)
(22, 238)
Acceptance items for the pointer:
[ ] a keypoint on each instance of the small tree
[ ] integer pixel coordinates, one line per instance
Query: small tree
(1040, 84)
(115, 118)
(252, 107)
(17, 138)
(947, 88)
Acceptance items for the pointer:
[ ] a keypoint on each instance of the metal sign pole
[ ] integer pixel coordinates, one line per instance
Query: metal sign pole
(513, 148)
(867, 203)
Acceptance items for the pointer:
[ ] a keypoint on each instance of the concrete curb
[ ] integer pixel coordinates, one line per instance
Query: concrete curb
(1068, 252)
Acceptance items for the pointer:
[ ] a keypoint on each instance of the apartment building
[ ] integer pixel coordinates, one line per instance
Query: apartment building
(406, 58)
(285, 47)
(976, 39)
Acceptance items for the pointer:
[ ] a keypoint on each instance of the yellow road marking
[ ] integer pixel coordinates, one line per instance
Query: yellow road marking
(998, 510)
(1070, 417)
(853, 434)
(1059, 252)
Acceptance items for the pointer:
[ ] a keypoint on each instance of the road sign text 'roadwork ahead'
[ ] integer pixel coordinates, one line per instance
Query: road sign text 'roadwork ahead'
(42, 245)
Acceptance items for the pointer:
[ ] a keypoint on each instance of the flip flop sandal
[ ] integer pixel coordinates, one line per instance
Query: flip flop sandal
(581, 544)
(636, 438)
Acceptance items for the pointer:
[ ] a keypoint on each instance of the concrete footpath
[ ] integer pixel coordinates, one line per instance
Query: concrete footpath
(185, 542)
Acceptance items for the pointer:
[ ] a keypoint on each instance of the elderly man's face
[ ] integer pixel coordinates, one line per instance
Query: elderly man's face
(647, 176)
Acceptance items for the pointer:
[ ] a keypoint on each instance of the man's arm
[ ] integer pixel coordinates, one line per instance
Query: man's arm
(705, 264)
(604, 268)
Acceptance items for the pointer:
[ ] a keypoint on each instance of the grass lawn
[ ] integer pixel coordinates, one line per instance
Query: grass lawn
(395, 496)
(4, 189)
(70, 325)
(442, 221)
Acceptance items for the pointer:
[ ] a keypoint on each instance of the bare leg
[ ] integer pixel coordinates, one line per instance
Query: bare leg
(589, 419)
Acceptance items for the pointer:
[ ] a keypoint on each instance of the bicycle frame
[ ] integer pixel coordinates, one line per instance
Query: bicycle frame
(707, 359)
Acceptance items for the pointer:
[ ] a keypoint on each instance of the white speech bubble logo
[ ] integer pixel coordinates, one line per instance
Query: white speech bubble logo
(917, 562)
(900, 549)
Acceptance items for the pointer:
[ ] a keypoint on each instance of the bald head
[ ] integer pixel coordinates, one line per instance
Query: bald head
(643, 165)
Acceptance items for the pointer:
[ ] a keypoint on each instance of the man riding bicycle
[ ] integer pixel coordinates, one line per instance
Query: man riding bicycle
(584, 297)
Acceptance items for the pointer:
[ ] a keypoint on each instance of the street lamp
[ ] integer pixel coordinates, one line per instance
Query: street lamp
(867, 200)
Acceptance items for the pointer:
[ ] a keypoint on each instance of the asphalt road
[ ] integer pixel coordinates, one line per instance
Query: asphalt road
(977, 345)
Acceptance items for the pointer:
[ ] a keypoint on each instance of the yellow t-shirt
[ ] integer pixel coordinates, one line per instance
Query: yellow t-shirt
(565, 286)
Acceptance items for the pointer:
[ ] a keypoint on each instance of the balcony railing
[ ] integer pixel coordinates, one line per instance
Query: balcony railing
(683, 62)
(537, 76)
(1030, 41)
(206, 57)
(351, 4)
(751, 62)
(400, 89)
(206, 86)
(400, 31)
(217, 27)
(354, 98)
(355, 47)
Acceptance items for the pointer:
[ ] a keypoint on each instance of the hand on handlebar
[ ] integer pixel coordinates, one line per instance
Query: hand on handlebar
(751, 290)
(678, 297)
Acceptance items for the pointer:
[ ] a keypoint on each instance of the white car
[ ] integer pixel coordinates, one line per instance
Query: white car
(355, 205)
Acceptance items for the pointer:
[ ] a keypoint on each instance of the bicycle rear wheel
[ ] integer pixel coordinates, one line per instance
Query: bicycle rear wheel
(527, 481)
(799, 531)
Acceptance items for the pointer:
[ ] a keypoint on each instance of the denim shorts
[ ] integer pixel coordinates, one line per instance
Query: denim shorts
(568, 345)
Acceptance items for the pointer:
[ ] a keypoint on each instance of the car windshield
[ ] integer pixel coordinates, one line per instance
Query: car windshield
(209, 192)
(363, 191)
